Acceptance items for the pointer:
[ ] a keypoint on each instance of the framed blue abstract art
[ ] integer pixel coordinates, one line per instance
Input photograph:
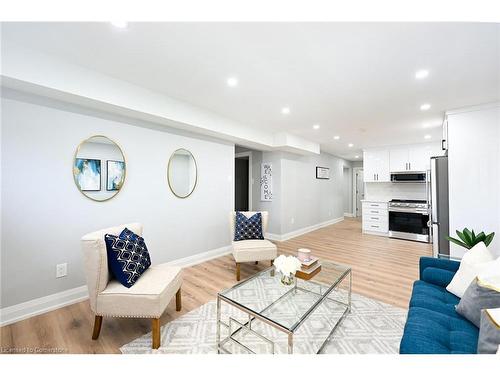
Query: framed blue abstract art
(88, 174)
(115, 175)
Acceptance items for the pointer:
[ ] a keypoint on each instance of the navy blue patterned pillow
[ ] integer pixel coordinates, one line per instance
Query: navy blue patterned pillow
(128, 256)
(248, 228)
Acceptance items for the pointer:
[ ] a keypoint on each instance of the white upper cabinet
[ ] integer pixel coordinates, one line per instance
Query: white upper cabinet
(398, 160)
(413, 158)
(376, 165)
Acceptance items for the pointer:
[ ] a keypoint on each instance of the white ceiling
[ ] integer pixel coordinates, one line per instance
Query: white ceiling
(355, 80)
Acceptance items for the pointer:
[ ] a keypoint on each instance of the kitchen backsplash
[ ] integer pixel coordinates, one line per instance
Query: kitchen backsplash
(389, 190)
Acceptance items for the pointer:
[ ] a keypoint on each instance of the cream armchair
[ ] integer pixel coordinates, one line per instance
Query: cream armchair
(251, 250)
(147, 298)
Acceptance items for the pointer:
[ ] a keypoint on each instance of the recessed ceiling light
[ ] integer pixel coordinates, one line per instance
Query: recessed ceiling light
(285, 110)
(336, 137)
(427, 136)
(357, 156)
(425, 107)
(350, 145)
(421, 74)
(232, 81)
(316, 126)
(119, 24)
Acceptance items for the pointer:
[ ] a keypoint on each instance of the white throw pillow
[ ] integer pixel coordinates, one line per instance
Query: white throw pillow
(473, 263)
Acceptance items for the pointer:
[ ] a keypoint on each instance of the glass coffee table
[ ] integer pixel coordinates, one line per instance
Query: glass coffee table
(265, 300)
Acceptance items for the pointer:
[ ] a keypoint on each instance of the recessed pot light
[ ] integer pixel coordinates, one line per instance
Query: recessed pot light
(427, 136)
(119, 24)
(232, 81)
(357, 156)
(285, 110)
(316, 126)
(350, 145)
(336, 137)
(425, 107)
(421, 74)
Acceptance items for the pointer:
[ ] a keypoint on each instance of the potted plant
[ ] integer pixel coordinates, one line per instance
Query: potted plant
(468, 239)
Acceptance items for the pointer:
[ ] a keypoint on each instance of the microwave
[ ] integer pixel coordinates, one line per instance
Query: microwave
(415, 177)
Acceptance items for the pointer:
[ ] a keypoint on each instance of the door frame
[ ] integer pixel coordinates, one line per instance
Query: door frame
(354, 201)
(241, 155)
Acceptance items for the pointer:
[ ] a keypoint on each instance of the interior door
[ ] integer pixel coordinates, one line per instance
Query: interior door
(360, 192)
(241, 184)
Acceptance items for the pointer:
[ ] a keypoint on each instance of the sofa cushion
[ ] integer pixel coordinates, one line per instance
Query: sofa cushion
(147, 298)
(254, 250)
(434, 298)
(431, 332)
(128, 256)
(473, 263)
(437, 276)
(248, 228)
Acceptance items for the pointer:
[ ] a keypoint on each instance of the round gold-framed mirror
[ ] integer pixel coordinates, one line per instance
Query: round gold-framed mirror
(182, 173)
(99, 168)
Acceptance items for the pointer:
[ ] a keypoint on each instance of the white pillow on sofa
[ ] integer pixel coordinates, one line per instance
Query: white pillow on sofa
(473, 263)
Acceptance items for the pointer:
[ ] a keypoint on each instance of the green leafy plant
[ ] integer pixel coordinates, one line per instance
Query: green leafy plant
(468, 239)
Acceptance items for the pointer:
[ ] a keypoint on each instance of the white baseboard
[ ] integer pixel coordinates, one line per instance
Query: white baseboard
(299, 232)
(38, 306)
(201, 257)
(25, 310)
(348, 214)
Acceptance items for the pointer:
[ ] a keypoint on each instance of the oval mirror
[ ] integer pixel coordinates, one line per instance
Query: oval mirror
(99, 168)
(182, 173)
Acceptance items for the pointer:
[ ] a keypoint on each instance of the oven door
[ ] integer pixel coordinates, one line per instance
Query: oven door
(409, 225)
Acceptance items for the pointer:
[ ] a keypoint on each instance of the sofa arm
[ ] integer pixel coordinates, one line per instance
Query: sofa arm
(443, 264)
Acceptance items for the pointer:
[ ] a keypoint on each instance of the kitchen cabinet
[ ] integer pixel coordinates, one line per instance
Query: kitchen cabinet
(376, 165)
(413, 158)
(375, 218)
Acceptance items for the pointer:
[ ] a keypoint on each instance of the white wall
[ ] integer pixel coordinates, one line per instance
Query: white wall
(44, 215)
(474, 173)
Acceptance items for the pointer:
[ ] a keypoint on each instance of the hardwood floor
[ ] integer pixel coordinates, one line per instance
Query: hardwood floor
(383, 269)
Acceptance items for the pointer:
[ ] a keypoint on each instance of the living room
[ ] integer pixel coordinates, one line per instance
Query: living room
(261, 187)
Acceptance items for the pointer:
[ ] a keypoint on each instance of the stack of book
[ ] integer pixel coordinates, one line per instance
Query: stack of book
(309, 269)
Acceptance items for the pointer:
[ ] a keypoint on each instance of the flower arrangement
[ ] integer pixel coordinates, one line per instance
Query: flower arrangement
(287, 265)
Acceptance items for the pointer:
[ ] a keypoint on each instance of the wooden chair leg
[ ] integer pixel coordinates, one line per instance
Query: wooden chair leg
(97, 327)
(178, 300)
(272, 271)
(156, 333)
(238, 271)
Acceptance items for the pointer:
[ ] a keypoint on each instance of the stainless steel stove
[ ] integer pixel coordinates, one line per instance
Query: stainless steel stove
(409, 220)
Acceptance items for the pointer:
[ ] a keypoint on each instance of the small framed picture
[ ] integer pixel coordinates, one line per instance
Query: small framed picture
(87, 174)
(322, 173)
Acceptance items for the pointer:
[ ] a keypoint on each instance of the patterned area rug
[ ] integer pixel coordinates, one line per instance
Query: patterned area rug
(372, 327)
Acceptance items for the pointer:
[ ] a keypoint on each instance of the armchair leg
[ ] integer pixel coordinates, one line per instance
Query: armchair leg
(272, 271)
(238, 271)
(97, 327)
(156, 333)
(178, 300)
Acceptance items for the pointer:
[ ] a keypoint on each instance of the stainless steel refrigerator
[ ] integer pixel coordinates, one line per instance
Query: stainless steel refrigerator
(439, 206)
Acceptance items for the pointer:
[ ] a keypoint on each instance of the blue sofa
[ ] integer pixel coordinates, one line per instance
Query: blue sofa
(433, 326)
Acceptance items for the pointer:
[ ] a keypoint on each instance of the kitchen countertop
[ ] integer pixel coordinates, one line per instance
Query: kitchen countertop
(376, 200)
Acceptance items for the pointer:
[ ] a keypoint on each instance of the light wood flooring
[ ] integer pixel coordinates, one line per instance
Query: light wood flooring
(383, 269)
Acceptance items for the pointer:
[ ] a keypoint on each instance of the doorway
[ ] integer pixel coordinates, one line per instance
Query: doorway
(243, 181)
(358, 191)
